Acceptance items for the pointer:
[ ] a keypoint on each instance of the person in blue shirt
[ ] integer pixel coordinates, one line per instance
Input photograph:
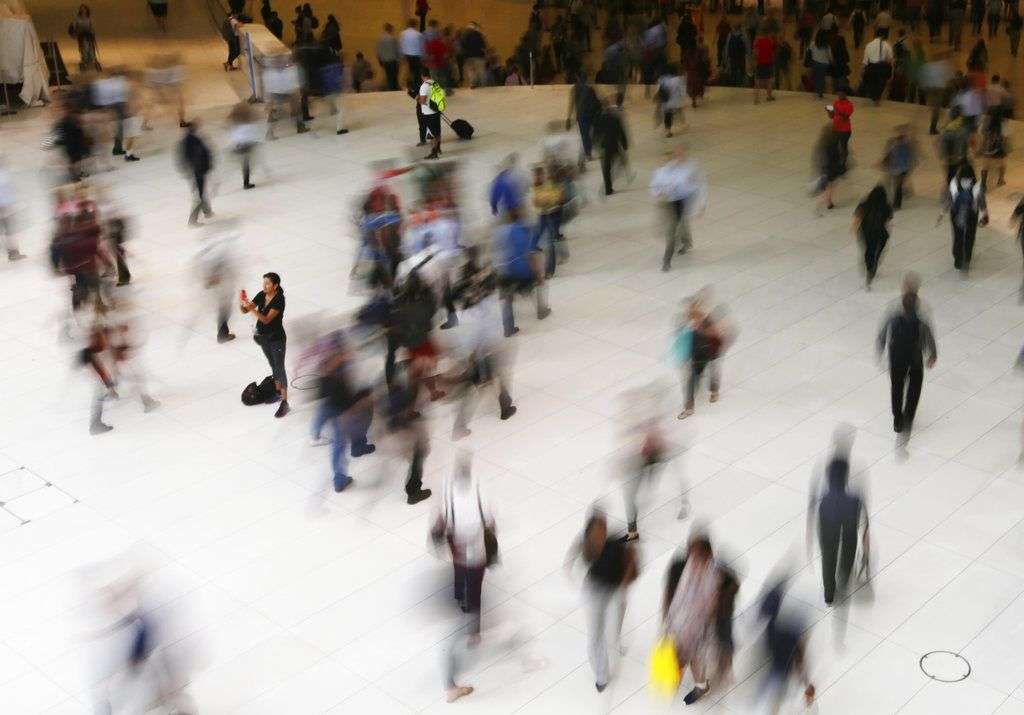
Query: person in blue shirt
(518, 262)
(507, 189)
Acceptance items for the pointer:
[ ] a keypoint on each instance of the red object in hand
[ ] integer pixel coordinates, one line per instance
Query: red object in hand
(243, 296)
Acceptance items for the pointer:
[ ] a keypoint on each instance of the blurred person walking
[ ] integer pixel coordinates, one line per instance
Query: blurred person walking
(196, 158)
(246, 134)
(908, 336)
(708, 342)
(898, 161)
(642, 467)
(387, 56)
(1016, 221)
(411, 44)
(217, 261)
(612, 566)
(519, 265)
(267, 307)
(828, 165)
(870, 223)
(548, 199)
(585, 105)
(8, 204)
(878, 58)
(610, 136)
(670, 96)
(81, 28)
(785, 644)
(681, 187)
(688, 613)
(764, 66)
(840, 112)
(967, 210)
(993, 146)
(818, 58)
(840, 514)
(474, 50)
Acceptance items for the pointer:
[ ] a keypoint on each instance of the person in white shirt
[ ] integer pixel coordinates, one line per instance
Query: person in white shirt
(877, 65)
(682, 189)
(431, 117)
(411, 44)
(671, 94)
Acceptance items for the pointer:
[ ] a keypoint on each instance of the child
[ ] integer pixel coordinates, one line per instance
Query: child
(361, 72)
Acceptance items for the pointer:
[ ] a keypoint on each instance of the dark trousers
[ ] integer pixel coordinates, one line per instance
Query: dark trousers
(897, 189)
(469, 581)
(550, 226)
(963, 243)
(274, 351)
(586, 135)
(413, 61)
(124, 276)
(905, 378)
(677, 231)
(838, 551)
(201, 203)
(223, 314)
(422, 125)
(844, 146)
(391, 73)
(234, 49)
(874, 244)
(697, 368)
(414, 481)
(120, 112)
(246, 166)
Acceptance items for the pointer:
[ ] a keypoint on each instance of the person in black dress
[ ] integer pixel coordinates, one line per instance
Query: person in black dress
(870, 221)
(268, 306)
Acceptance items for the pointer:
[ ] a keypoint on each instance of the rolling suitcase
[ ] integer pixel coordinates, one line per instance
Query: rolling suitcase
(462, 128)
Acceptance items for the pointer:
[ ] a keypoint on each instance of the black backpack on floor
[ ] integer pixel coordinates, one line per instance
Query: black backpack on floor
(260, 394)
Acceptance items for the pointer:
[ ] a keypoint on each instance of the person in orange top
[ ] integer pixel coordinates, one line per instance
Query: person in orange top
(840, 111)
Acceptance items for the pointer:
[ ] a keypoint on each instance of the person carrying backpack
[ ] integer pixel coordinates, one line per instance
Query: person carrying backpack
(432, 102)
(908, 335)
(967, 210)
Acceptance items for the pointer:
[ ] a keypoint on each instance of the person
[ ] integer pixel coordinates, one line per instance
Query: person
(736, 56)
(1014, 23)
(908, 336)
(216, 260)
(819, 58)
(858, 21)
(784, 65)
(548, 199)
(612, 566)
(697, 67)
(977, 60)
(411, 44)
(956, 14)
(954, 145)
(518, 264)
(967, 211)
(512, 76)
(82, 30)
(584, 104)
(610, 135)
(934, 13)
(159, 10)
(361, 72)
(995, 11)
(883, 22)
(466, 523)
(840, 112)
(993, 146)
(283, 86)
(422, 8)
(686, 35)
(387, 56)
(877, 67)
(507, 191)
(977, 15)
(840, 70)
(246, 133)
(805, 28)
(165, 77)
(276, 25)
(305, 24)
(898, 161)
(840, 513)
(653, 43)
(870, 223)
(764, 66)
(196, 157)
(688, 612)
(430, 111)
(670, 96)
(474, 50)
(268, 309)
(785, 644)
(722, 31)
(330, 36)
(642, 465)
(828, 160)
(229, 31)
(8, 199)
(708, 341)
(345, 406)
(680, 185)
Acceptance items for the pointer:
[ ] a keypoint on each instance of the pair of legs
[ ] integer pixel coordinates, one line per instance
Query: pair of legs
(512, 285)
(294, 108)
(643, 479)
(432, 125)
(201, 204)
(348, 432)
(414, 491)
(337, 111)
(677, 231)
(819, 71)
(608, 159)
(963, 243)
(905, 378)
(764, 80)
(697, 369)
(550, 226)
(838, 549)
(391, 74)
(234, 51)
(7, 233)
(469, 581)
(485, 369)
(476, 68)
(106, 390)
(602, 601)
(586, 138)
(898, 181)
(844, 146)
(873, 247)
(274, 350)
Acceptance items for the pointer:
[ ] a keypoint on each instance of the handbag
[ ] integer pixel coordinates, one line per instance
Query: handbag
(665, 672)
(490, 538)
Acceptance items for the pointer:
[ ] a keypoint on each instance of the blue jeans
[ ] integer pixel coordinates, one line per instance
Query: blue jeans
(348, 428)
(550, 224)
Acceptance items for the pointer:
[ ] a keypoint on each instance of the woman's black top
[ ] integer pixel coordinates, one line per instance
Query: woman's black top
(609, 568)
(274, 330)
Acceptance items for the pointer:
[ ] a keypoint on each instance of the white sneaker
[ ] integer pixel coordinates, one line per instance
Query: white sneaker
(319, 441)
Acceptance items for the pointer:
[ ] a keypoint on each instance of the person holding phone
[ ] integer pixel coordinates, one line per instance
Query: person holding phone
(268, 307)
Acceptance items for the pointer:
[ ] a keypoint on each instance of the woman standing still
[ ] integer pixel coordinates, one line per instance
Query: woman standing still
(819, 59)
(81, 29)
(268, 306)
(870, 222)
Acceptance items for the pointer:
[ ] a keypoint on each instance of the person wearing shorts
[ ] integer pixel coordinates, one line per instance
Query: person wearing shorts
(764, 69)
(431, 117)
(159, 10)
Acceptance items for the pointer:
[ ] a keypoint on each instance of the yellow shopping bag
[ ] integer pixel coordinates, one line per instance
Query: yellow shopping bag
(665, 673)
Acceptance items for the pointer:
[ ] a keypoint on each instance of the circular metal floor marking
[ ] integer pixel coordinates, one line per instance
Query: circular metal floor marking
(305, 382)
(945, 666)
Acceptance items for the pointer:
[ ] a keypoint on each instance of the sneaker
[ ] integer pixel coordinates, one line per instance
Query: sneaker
(301, 130)
(713, 397)
(359, 450)
(417, 497)
(149, 404)
(282, 409)
(319, 441)
(450, 323)
(131, 157)
(600, 687)
(98, 427)
(341, 481)
(342, 131)
(225, 337)
(508, 413)
(629, 536)
(246, 187)
(543, 313)
(695, 695)
(118, 152)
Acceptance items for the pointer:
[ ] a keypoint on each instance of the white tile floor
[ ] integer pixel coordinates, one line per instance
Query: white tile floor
(300, 600)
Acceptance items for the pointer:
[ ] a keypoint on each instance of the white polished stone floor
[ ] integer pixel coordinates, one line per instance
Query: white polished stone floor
(302, 601)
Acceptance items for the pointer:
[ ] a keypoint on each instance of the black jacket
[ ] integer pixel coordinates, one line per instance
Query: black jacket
(610, 133)
(908, 336)
(195, 155)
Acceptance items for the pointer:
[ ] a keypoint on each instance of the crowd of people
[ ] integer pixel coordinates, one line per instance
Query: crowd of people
(419, 276)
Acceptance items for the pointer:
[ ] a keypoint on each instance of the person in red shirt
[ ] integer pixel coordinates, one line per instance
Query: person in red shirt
(764, 69)
(840, 111)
